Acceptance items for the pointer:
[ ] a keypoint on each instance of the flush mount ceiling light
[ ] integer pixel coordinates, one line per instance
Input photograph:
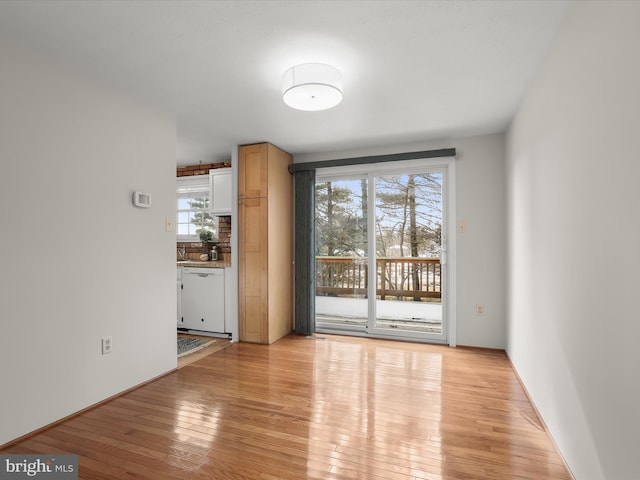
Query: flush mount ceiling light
(312, 87)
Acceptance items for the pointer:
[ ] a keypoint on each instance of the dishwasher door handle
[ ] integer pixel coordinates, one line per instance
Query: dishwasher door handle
(203, 272)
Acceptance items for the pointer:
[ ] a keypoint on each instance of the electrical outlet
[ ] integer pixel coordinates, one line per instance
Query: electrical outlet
(107, 345)
(479, 309)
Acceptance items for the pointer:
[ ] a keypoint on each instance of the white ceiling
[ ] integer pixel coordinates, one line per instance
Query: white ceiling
(413, 70)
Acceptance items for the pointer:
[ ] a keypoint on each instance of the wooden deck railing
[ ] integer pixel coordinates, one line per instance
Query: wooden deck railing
(400, 277)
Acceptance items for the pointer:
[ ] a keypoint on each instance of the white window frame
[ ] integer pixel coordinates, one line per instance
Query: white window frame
(196, 186)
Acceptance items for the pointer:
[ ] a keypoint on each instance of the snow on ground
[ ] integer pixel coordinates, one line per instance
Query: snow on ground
(385, 309)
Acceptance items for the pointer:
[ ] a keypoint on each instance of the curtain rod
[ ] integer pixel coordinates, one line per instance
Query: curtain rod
(305, 166)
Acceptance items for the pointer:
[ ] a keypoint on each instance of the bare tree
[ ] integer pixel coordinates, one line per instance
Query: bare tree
(409, 209)
(340, 222)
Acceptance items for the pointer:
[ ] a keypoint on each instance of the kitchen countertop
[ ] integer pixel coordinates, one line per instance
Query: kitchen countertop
(208, 264)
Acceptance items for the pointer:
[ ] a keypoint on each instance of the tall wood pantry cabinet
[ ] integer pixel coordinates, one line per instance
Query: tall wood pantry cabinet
(265, 244)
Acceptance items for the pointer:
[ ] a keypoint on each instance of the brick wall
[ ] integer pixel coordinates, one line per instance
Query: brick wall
(194, 249)
(224, 234)
(201, 169)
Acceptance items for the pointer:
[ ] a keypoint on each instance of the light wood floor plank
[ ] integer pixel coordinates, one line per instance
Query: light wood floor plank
(330, 407)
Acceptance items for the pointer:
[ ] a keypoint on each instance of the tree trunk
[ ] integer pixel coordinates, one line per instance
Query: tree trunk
(363, 206)
(413, 232)
(330, 242)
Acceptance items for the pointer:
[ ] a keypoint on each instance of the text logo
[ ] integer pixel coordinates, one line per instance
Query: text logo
(50, 467)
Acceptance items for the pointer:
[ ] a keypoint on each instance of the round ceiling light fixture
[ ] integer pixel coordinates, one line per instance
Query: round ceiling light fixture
(312, 87)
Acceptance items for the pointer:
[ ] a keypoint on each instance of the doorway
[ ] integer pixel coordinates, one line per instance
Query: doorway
(382, 250)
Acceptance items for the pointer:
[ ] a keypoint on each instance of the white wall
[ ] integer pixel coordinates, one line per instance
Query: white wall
(480, 203)
(574, 240)
(79, 262)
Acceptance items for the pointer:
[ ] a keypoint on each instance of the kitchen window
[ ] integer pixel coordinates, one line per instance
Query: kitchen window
(193, 214)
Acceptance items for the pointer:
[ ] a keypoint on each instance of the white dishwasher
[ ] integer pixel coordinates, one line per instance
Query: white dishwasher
(203, 299)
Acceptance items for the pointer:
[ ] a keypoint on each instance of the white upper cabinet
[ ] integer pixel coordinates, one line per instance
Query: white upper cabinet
(220, 184)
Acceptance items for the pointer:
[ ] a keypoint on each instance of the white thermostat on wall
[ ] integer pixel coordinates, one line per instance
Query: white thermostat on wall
(141, 199)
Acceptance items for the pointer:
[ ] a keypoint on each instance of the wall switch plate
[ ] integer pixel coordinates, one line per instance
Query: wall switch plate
(462, 227)
(168, 224)
(106, 345)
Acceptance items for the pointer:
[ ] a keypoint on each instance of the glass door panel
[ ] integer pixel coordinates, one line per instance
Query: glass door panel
(341, 254)
(408, 243)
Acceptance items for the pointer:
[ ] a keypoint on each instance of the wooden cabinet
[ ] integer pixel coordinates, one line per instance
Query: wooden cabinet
(253, 177)
(265, 256)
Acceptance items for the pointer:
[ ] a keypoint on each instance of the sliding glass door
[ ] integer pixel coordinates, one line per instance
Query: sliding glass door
(341, 253)
(408, 214)
(381, 238)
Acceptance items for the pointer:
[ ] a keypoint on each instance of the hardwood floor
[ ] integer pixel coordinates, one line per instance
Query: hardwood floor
(327, 407)
(218, 344)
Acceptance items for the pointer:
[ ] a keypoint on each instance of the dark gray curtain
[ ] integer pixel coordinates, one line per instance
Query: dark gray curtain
(305, 259)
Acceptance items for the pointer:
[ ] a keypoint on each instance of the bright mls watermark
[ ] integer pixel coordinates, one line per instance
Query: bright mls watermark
(51, 467)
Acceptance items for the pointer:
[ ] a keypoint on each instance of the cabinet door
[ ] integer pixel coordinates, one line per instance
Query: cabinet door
(252, 171)
(253, 293)
(220, 181)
